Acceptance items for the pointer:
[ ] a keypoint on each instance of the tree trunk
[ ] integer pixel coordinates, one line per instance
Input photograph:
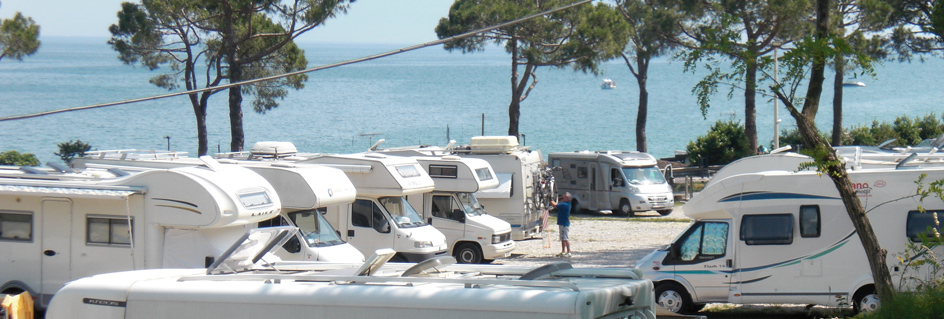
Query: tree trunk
(832, 167)
(837, 100)
(235, 110)
(750, 105)
(235, 75)
(199, 112)
(642, 64)
(514, 108)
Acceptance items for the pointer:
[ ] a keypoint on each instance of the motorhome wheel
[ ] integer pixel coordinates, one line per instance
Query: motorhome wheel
(625, 209)
(866, 300)
(673, 297)
(468, 253)
(574, 206)
(665, 212)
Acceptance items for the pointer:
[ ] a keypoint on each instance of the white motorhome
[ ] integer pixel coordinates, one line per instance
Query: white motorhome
(380, 216)
(525, 187)
(767, 233)
(473, 235)
(240, 286)
(624, 182)
(306, 191)
(60, 225)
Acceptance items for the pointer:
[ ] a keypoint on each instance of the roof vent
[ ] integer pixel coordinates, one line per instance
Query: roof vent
(273, 149)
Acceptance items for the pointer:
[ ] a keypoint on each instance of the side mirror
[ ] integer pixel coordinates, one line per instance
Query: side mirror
(458, 215)
(293, 245)
(673, 252)
(383, 226)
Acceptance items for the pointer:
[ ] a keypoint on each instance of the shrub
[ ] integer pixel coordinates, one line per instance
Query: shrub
(724, 143)
(18, 159)
(70, 149)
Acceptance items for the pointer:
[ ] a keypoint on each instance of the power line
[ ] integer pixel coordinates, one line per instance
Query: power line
(324, 67)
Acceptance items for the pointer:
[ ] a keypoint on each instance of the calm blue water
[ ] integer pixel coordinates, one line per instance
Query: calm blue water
(406, 99)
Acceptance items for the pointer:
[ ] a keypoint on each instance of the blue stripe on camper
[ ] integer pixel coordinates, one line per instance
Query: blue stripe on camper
(771, 195)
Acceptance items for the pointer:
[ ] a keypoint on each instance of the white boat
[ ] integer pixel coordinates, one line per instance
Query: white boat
(246, 283)
(853, 83)
(608, 84)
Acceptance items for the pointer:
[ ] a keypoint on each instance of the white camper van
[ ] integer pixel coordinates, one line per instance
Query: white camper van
(380, 216)
(57, 226)
(245, 285)
(525, 187)
(472, 234)
(305, 190)
(624, 182)
(767, 233)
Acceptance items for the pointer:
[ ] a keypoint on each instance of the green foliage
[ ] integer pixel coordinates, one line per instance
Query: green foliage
(579, 37)
(928, 303)
(70, 149)
(908, 132)
(19, 37)
(18, 159)
(724, 143)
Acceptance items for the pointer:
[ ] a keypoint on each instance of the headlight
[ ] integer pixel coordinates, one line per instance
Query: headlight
(496, 239)
(423, 244)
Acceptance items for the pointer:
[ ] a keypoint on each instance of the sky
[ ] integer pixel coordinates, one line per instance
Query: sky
(367, 21)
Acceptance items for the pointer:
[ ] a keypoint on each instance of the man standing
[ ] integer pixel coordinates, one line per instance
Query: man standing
(563, 222)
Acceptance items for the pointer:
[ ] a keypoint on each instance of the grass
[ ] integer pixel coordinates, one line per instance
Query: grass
(928, 303)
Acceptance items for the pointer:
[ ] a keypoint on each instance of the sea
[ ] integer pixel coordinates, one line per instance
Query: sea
(422, 97)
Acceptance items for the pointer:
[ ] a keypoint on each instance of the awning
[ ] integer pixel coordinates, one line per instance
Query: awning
(502, 191)
(114, 193)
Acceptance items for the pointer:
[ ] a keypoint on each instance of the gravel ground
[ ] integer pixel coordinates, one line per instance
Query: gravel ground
(601, 240)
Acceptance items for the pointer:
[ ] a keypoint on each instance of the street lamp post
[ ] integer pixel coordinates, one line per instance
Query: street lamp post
(168, 142)
(776, 109)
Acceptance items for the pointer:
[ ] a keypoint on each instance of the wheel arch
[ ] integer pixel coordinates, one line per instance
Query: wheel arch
(16, 286)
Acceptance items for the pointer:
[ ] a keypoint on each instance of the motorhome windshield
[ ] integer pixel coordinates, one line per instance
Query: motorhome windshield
(470, 204)
(315, 228)
(401, 211)
(643, 175)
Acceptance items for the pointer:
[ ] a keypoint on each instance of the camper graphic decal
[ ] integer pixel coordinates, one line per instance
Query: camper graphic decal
(761, 195)
(194, 209)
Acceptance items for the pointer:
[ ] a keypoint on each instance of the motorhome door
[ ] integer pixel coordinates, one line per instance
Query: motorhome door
(701, 256)
(370, 230)
(448, 216)
(56, 246)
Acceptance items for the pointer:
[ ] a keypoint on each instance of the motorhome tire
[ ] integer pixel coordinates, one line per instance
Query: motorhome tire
(865, 300)
(467, 253)
(574, 206)
(673, 297)
(625, 209)
(665, 212)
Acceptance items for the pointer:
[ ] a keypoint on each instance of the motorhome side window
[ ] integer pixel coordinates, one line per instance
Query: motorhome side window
(16, 226)
(809, 221)
(773, 229)
(364, 213)
(617, 177)
(922, 223)
(446, 171)
(442, 206)
(108, 230)
(705, 241)
(484, 174)
(581, 172)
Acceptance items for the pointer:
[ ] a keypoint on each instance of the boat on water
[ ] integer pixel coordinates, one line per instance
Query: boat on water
(248, 282)
(608, 84)
(853, 83)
